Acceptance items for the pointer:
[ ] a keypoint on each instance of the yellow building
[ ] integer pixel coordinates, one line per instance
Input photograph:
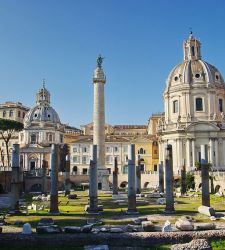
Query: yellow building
(147, 148)
(143, 136)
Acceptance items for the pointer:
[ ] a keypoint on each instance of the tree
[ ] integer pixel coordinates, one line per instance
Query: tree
(8, 128)
(190, 180)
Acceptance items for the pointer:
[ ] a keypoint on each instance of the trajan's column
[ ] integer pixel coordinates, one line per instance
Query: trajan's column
(99, 80)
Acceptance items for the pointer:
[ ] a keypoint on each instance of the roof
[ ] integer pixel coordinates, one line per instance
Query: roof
(130, 127)
(114, 138)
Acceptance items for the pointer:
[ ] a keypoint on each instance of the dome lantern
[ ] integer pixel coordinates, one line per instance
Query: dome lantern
(192, 48)
(43, 95)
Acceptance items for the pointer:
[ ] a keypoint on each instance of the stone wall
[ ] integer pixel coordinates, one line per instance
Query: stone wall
(143, 239)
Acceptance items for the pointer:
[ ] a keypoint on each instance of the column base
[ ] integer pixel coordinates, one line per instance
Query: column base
(92, 212)
(132, 212)
(103, 178)
(54, 213)
(169, 211)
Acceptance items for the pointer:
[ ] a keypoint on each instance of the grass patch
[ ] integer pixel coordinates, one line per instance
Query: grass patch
(218, 244)
(72, 211)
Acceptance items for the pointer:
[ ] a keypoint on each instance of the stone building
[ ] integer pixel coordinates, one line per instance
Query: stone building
(153, 123)
(42, 127)
(71, 133)
(115, 145)
(194, 100)
(88, 129)
(13, 111)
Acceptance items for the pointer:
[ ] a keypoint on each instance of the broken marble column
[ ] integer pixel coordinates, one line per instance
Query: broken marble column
(138, 176)
(169, 180)
(93, 182)
(15, 181)
(161, 177)
(183, 188)
(205, 177)
(67, 175)
(131, 180)
(44, 176)
(115, 176)
(54, 179)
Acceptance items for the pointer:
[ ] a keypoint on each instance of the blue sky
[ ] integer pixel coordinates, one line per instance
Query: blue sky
(141, 41)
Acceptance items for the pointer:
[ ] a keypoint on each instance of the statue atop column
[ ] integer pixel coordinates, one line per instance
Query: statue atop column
(100, 61)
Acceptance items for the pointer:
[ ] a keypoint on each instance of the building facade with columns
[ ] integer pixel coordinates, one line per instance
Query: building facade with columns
(12, 111)
(42, 127)
(194, 100)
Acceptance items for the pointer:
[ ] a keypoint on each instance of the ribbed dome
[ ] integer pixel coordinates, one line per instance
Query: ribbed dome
(41, 113)
(193, 69)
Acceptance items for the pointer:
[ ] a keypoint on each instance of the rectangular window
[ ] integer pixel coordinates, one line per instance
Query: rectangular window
(118, 158)
(125, 149)
(84, 171)
(116, 149)
(109, 169)
(76, 159)
(108, 158)
(85, 160)
(155, 168)
(75, 149)
(193, 50)
(108, 149)
(85, 149)
(155, 151)
(221, 105)
(175, 106)
(198, 104)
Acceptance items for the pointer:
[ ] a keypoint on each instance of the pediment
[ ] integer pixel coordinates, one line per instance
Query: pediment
(203, 127)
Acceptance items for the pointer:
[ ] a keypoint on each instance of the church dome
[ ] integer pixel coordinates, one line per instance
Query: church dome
(42, 112)
(193, 69)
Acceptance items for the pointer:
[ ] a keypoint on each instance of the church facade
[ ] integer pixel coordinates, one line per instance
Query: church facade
(194, 100)
(42, 128)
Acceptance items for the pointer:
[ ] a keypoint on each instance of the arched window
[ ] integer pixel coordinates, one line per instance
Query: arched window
(199, 104)
(75, 169)
(18, 113)
(10, 113)
(4, 113)
(155, 143)
(50, 137)
(141, 151)
(175, 106)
